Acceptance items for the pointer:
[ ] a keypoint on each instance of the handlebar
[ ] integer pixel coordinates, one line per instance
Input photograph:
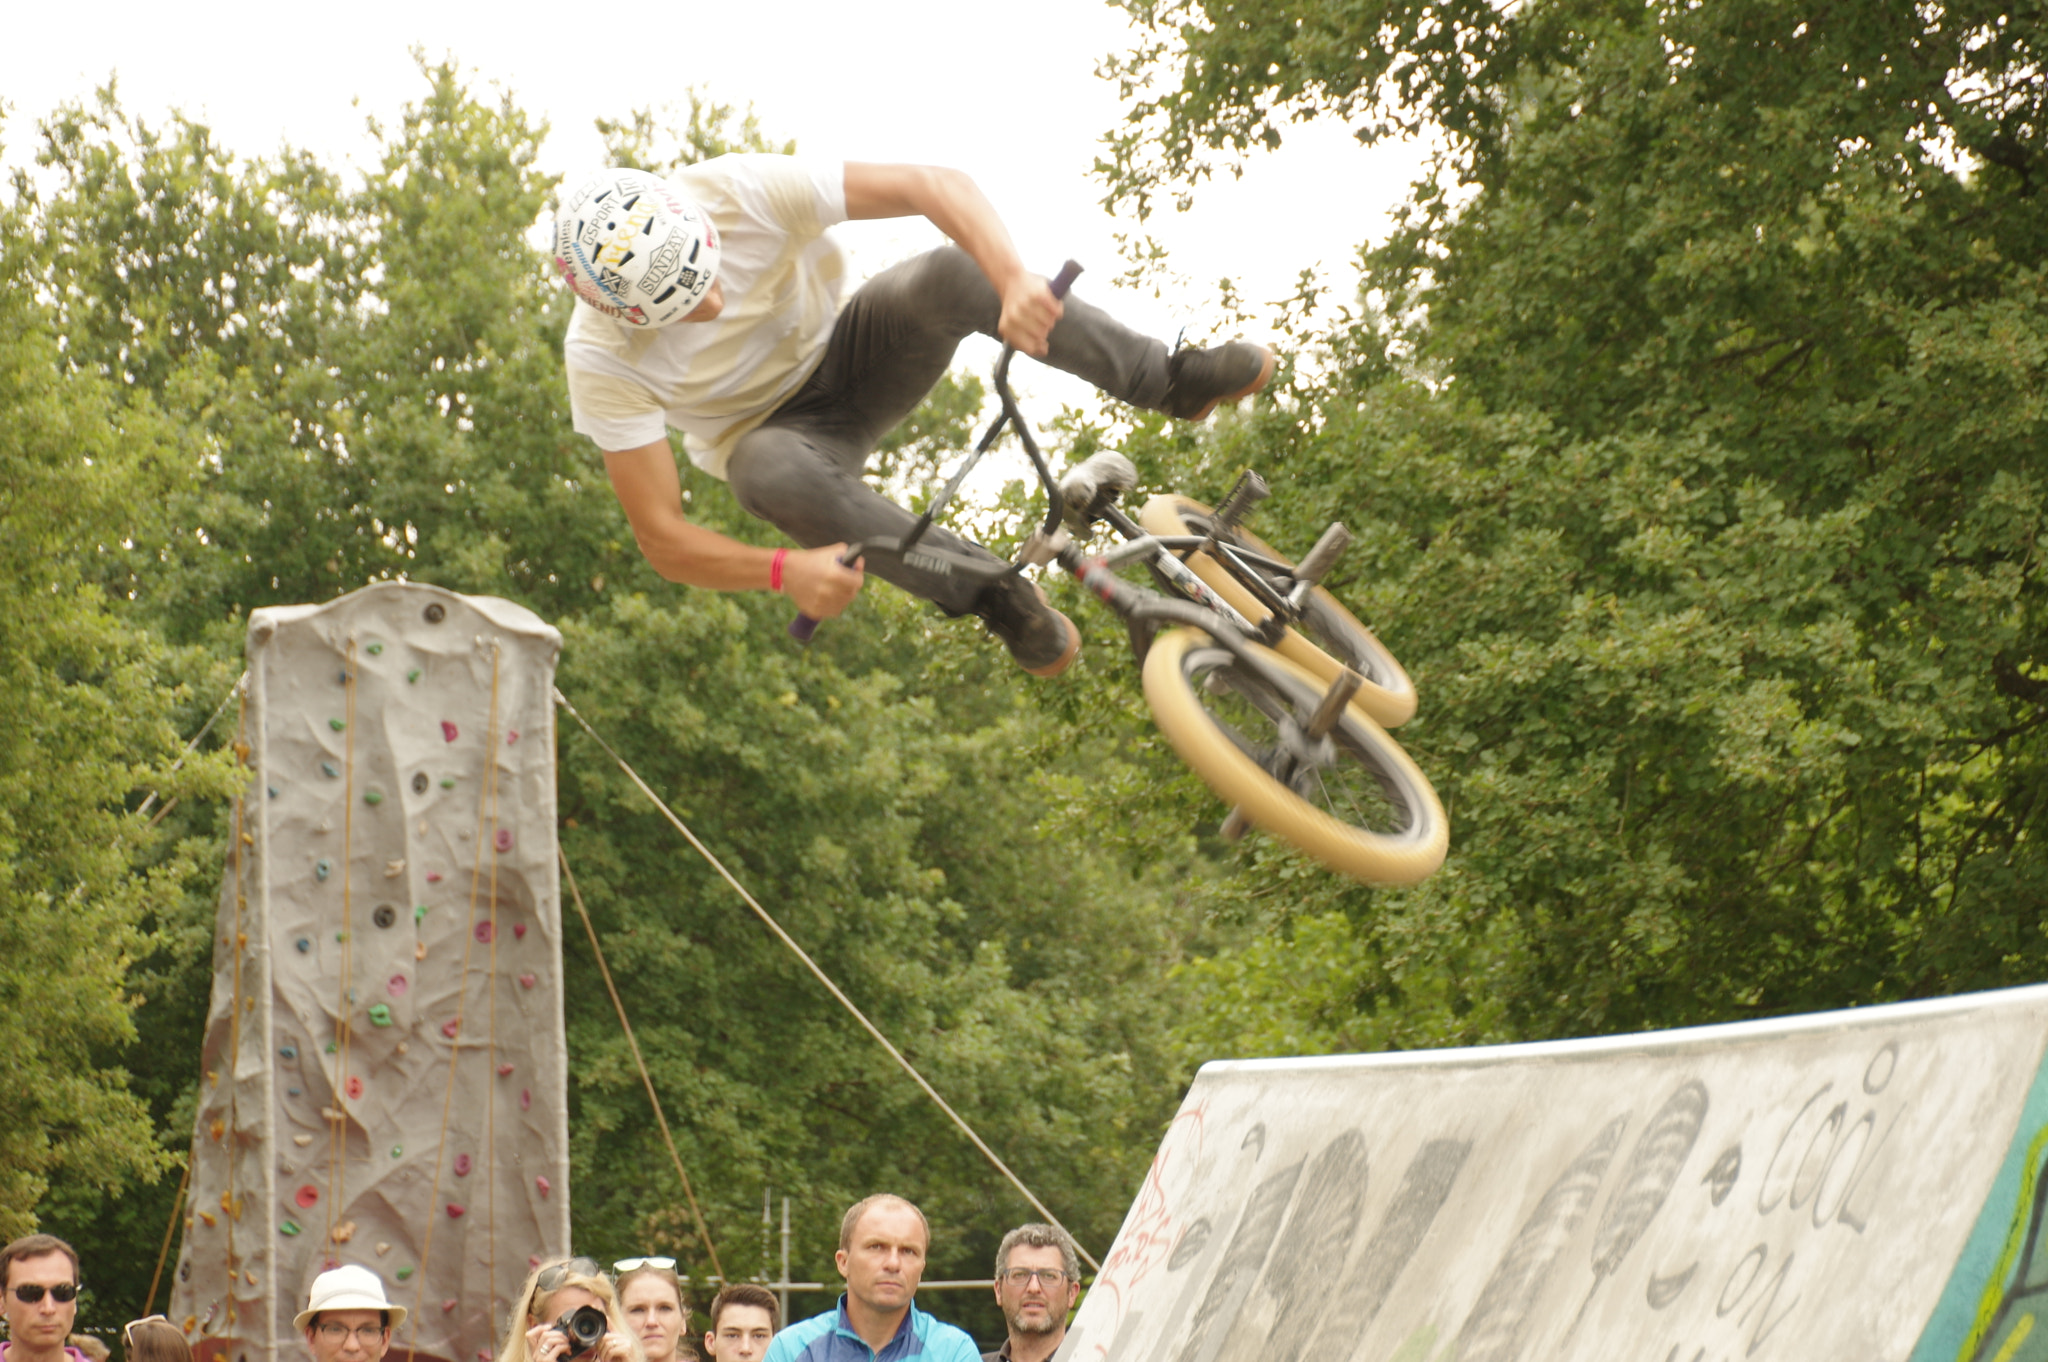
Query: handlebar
(803, 626)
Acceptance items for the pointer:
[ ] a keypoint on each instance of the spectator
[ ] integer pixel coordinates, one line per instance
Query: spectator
(40, 1275)
(154, 1339)
(1038, 1279)
(347, 1318)
(651, 1298)
(744, 1318)
(94, 1349)
(883, 1241)
(553, 1291)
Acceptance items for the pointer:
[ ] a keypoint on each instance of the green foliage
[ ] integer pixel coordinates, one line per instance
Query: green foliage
(1697, 441)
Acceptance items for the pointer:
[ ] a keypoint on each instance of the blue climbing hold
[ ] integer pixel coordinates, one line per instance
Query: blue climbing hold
(273, 792)
(321, 870)
(288, 1051)
(305, 945)
(330, 770)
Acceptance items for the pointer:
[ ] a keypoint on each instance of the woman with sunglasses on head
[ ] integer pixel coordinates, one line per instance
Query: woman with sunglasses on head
(553, 1292)
(154, 1339)
(651, 1297)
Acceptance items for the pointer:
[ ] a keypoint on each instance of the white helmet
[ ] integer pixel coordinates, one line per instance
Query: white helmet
(634, 248)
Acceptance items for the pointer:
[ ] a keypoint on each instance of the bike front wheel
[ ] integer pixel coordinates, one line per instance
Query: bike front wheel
(1357, 803)
(1339, 640)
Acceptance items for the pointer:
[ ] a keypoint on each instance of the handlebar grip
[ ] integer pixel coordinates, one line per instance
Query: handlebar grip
(1064, 280)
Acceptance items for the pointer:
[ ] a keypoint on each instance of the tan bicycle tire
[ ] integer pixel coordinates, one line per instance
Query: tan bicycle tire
(1388, 695)
(1205, 744)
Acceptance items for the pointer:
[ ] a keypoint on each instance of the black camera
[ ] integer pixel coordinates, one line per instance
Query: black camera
(584, 1328)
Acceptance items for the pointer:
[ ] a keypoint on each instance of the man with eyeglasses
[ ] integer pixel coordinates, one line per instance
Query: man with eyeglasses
(1038, 1279)
(40, 1275)
(347, 1318)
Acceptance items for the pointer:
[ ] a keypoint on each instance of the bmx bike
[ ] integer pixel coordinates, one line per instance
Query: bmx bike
(1261, 680)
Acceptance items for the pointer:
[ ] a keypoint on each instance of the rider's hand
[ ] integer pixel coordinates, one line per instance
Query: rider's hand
(1029, 311)
(818, 582)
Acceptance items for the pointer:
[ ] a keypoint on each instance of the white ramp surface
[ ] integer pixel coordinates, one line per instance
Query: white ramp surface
(1860, 1185)
(384, 1062)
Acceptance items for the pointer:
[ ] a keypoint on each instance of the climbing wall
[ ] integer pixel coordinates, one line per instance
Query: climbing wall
(1860, 1185)
(384, 1071)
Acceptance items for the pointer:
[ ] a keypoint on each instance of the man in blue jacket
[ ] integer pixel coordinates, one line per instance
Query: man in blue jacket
(882, 1245)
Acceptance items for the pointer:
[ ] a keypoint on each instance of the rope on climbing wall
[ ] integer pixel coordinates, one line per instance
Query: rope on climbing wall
(244, 841)
(696, 1211)
(484, 814)
(344, 1008)
(786, 939)
(491, 985)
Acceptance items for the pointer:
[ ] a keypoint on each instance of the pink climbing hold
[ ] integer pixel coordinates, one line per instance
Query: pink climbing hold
(448, 733)
(485, 932)
(433, 877)
(519, 930)
(462, 1165)
(455, 1210)
(540, 1181)
(503, 841)
(526, 1099)
(355, 1087)
(396, 988)
(306, 1196)
(525, 980)
(448, 1306)
(532, 1261)
(451, 1026)
(504, 1071)
(511, 736)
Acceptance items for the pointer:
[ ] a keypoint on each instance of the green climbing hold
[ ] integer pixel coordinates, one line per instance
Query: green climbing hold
(412, 676)
(336, 724)
(373, 796)
(419, 914)
(332, 1048)
(380, 1014)
(397, 1151)
(375, 648)
(288, 1227)
(404, 1274)
(341, 936)
(447, 782)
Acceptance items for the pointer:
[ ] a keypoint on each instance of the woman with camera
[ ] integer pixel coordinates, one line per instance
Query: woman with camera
(567, 1312)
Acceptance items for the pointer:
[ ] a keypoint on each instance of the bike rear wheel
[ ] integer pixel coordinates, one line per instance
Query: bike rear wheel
(1335, 637)
(1363, 808)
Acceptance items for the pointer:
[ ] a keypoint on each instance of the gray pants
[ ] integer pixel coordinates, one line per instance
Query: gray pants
(800, 470)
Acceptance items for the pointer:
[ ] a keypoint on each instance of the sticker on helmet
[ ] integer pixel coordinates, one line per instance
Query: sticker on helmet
(664, 262)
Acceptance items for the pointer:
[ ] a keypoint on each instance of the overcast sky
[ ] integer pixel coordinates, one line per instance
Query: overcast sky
(1009, 94)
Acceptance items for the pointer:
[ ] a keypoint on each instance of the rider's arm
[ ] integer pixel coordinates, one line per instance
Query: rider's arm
(956, 206)
(651, 493)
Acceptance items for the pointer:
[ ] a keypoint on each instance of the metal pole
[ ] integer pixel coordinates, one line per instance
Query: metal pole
(783, 1293)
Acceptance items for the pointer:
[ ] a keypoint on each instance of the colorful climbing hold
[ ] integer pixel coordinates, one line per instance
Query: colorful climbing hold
(341, 677)
(448, 1306)
(526, 1099)
(207, 1216)
(420, 782)
(447, 782)
(384, 915)
(332, 1048)
(403, 1274)
(306, 1196)
(341, 936)
(217, 1128)
(503, 841)
(462, 1165)
(451, 1026)
(321, 870)
(330, 770)
(448, 731)
(519, 930)
(344, 1232)
(396, 985)
(511, 736)
(413, 676)
(485, 932)
(383, 1247)
(373, 796)
(287, 1052)
(541, 1184)
(305, 944)
(455, 1210)
(504, 1071)
(288, 1227)
(355, 1087)
(336, 724)
(300, 1140)
(380, 1014)
(398, 1151)
(273, 791)
(433, 877)
(393, 869)
(374, 649)
(526, 981)
(291, 1092)
(419, 950)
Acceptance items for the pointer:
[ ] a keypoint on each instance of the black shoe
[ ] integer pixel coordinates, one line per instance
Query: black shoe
(1041, 639)
(1198, 380)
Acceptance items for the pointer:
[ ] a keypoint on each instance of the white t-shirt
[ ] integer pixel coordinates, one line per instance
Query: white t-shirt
(716, 380)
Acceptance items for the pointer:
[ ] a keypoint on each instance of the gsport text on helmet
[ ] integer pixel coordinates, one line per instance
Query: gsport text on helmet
(634, 248)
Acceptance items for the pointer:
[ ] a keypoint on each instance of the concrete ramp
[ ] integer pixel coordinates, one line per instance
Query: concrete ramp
(1861, 1185)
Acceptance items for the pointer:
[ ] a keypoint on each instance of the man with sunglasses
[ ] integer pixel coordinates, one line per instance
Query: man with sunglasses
(347, 1318)
(1038, 1279)
(40, 1274)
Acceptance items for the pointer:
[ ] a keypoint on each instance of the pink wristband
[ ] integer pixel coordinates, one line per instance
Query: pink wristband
(775, 571)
